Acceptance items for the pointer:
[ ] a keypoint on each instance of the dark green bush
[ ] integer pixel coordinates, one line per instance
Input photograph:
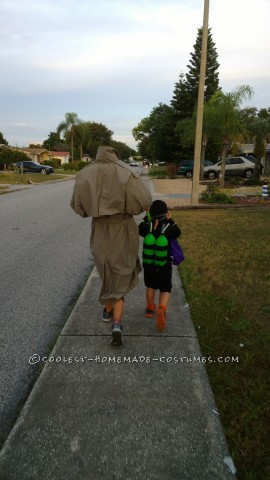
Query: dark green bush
(82, 164)
(53, 162)
(157, 173)
(70, 166)
(252, 181)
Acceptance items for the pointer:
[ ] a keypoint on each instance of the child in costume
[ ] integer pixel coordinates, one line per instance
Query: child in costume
(158, 228)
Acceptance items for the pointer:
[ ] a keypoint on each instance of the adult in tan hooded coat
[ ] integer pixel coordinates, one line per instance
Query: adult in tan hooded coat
(111, 192)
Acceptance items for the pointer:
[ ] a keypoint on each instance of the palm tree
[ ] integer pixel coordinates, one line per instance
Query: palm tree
(67, 127)
(82, 135)
(223, 120)
(260, 129)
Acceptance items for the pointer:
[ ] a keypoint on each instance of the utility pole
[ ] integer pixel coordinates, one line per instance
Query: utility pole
(199, 123)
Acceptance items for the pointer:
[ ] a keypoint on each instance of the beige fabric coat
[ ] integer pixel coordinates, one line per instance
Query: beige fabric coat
(111, 192)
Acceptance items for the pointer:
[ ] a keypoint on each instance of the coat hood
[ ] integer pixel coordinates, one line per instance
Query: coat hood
(107, 155)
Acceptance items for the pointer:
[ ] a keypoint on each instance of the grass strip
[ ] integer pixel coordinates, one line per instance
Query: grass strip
(226, 276)
(12, 178)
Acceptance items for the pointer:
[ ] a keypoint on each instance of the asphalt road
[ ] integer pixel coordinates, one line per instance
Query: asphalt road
(45, 261)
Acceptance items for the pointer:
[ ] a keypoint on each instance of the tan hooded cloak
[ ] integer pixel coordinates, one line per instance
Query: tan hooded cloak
(111, 192)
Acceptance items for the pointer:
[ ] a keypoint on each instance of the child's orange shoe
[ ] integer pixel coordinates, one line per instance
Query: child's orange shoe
(161, 318)
(150, 310)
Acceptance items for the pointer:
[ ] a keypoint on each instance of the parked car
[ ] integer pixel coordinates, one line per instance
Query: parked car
(161, 163)
(186, 167)
(133, 164)
(33, 167)
(253, 160)
(234, 166)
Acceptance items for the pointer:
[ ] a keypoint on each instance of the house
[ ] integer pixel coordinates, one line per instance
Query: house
(64, 157)
(35, 154)
(39, 155)
(248, 149)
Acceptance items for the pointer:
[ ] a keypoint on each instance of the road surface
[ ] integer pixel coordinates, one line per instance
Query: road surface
(45, 261)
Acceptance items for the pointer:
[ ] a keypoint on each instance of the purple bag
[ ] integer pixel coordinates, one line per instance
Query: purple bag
(176, 252)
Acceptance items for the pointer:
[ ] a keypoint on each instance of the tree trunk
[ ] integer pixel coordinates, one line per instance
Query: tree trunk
(71, 145)
(257, 168)
(259, 152)
(81, 151)
(223, 161)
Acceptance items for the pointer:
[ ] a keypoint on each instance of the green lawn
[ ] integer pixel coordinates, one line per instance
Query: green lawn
(12, 178)
(226, 276)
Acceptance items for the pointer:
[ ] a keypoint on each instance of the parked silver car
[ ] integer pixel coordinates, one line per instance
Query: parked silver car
(235, 166)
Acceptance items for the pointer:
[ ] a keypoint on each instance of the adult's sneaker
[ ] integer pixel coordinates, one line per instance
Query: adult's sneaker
(107, 316)
(117, 334)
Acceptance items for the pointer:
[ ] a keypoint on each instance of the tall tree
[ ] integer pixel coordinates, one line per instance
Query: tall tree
(97, 134)
(264, 113)
(185, 95)
(182, 101)
(122, 148)
(81, 136)
(67, 128)
(156, 134)
(53, 141)
(9, 156)
(3, 141)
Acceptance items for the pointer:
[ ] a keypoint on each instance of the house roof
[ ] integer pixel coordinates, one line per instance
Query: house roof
(36, 151)
(58, 154)
(249, 147)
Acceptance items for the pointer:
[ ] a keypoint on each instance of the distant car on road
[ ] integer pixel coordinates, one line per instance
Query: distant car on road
(33, 167)
(161, 163)
(186, 167)
(133, 164)
(234, 166)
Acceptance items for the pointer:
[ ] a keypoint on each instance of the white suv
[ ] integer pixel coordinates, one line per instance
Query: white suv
(234, 166)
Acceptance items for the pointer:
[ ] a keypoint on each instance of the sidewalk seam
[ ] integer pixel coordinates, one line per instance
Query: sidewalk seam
(79, 335)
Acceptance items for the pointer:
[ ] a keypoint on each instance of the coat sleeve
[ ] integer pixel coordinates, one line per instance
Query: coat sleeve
(144, 228)
(76, 203)
(173, 231)
(138, 197)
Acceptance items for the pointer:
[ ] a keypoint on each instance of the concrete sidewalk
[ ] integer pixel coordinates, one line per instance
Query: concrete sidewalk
(142, 411)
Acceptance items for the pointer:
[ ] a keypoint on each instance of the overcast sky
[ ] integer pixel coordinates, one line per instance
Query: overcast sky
(113, 61)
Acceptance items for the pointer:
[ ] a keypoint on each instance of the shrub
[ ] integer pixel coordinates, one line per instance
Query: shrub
(53, 162)
(70, 166)
(157, 173)
(214, 194)
(236, 180)
(82, 164)
(252, 181)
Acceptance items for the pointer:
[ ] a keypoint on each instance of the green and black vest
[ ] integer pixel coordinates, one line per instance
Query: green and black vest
(155, 250)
